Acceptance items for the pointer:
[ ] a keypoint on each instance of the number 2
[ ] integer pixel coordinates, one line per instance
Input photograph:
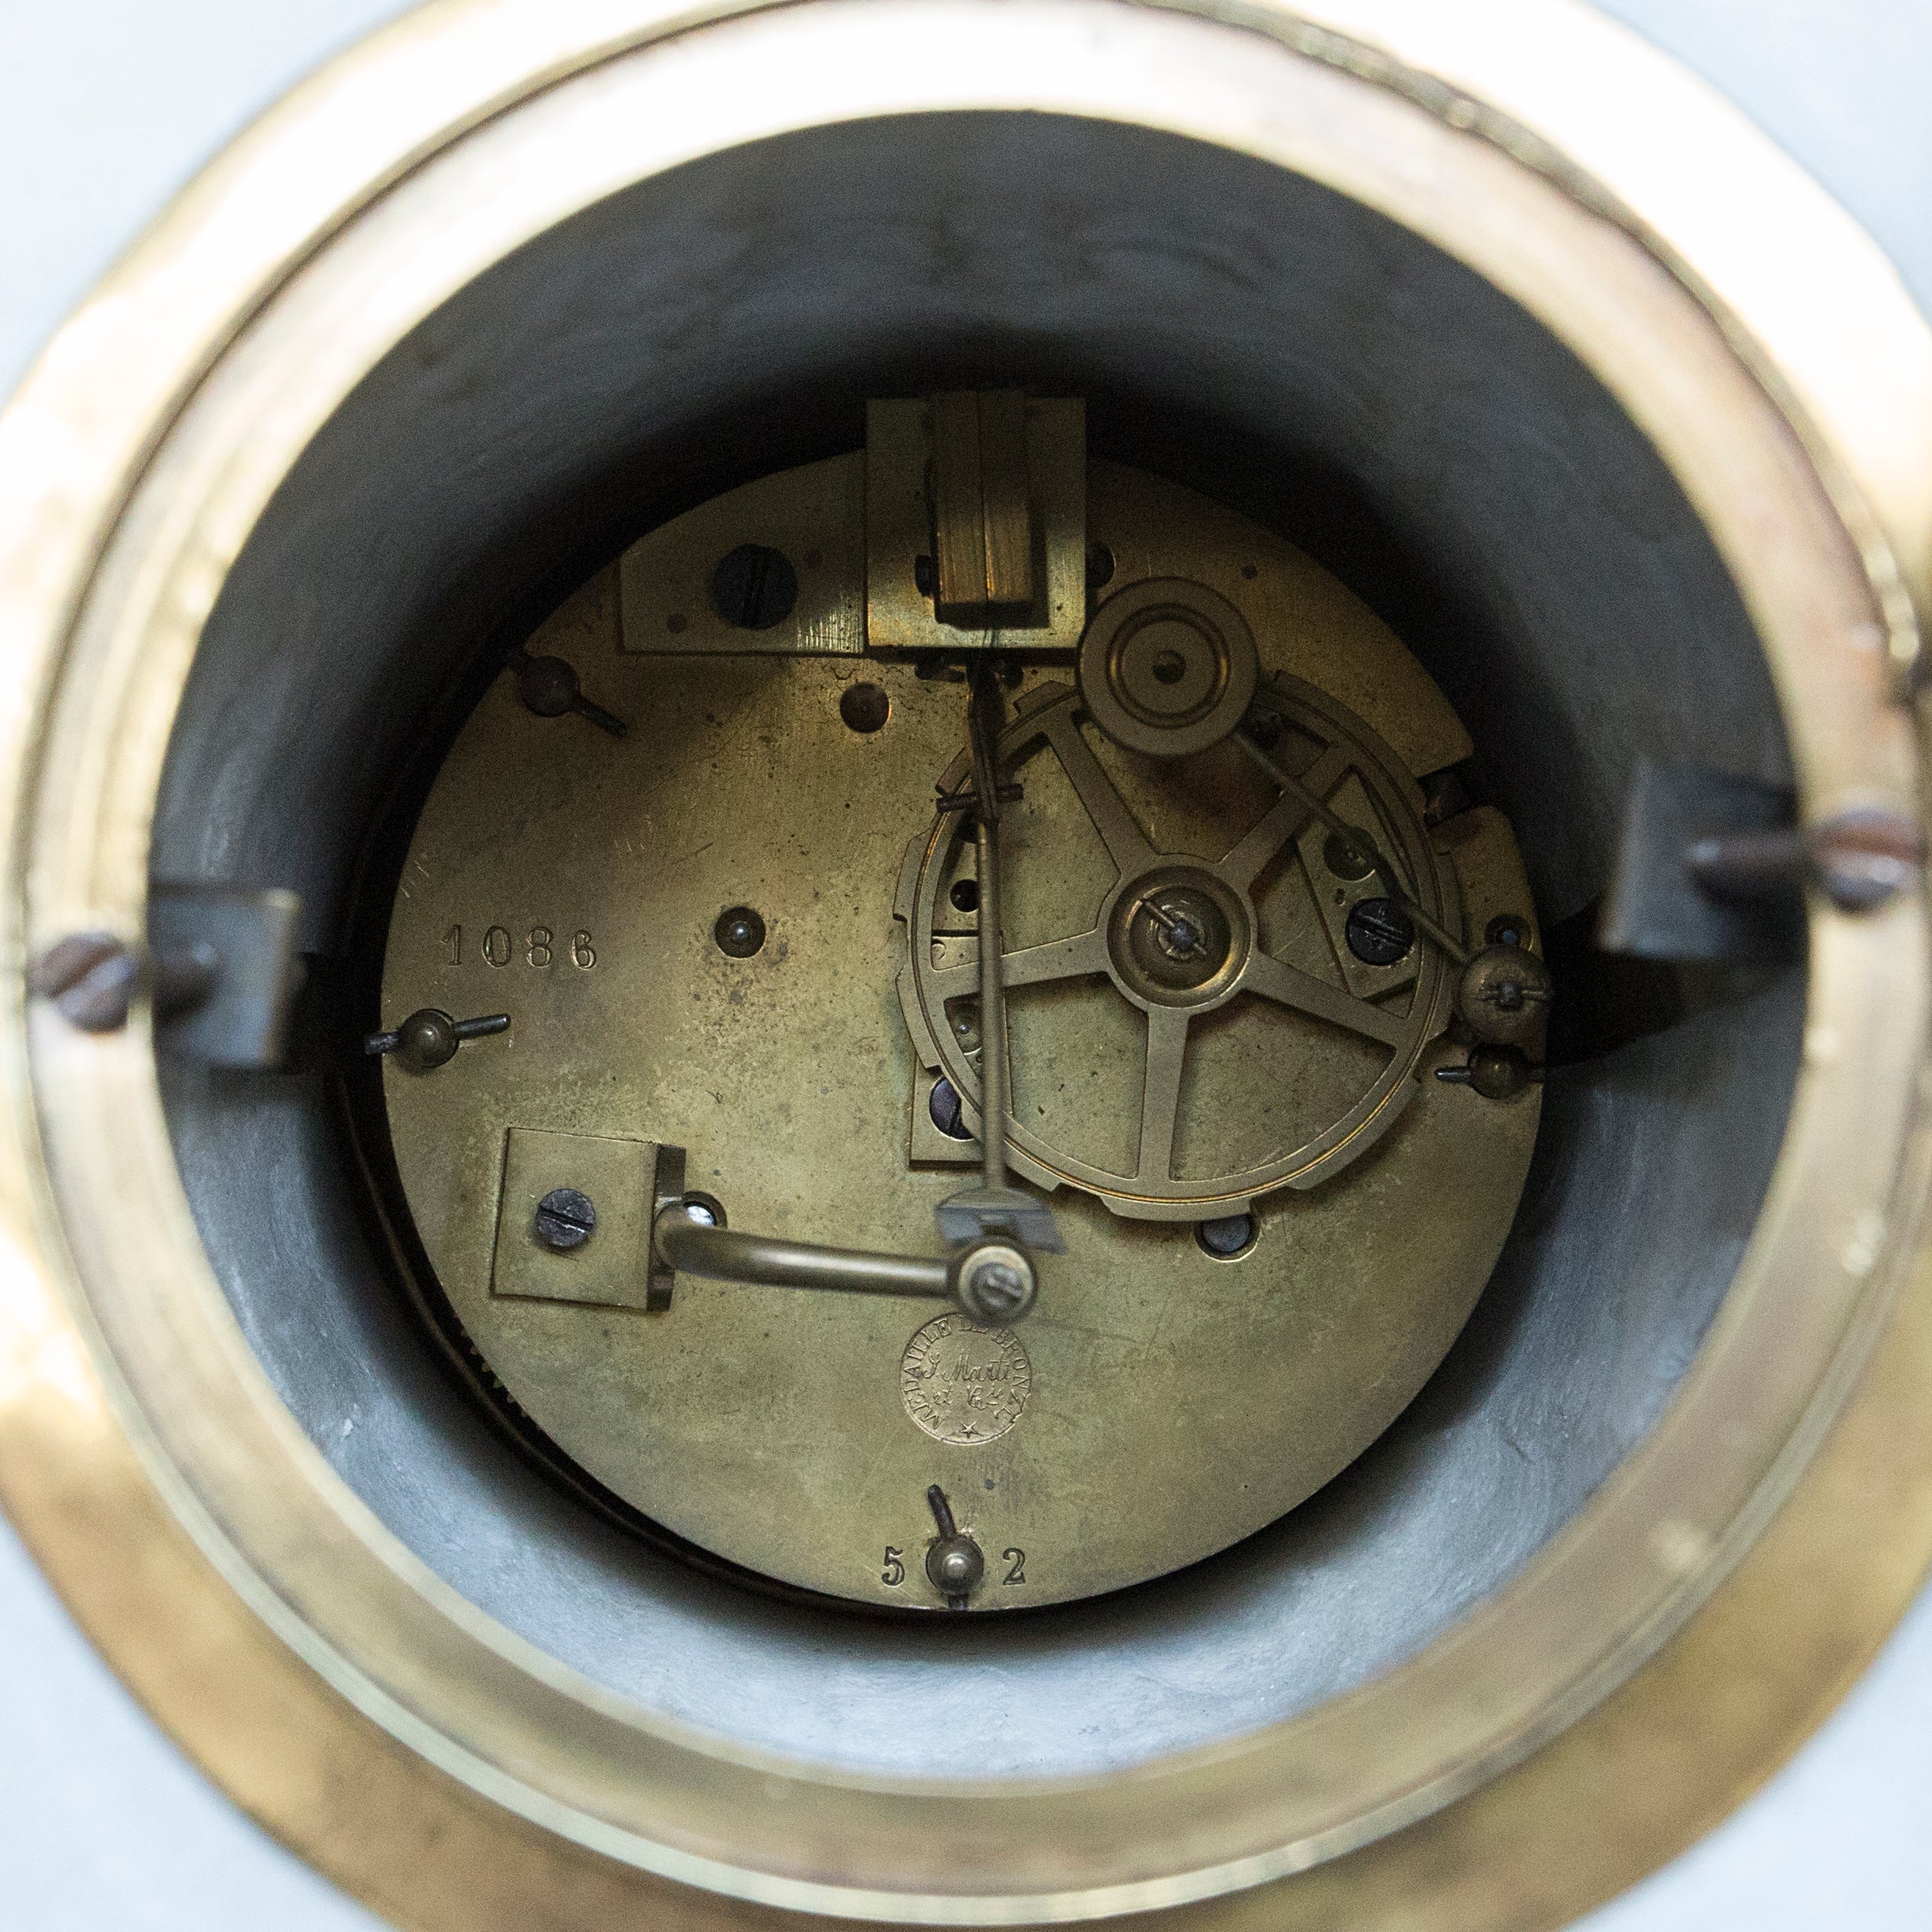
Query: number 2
(1017, 1559)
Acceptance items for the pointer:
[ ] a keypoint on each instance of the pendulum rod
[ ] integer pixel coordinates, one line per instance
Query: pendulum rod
(985, 717)
(994, 1207)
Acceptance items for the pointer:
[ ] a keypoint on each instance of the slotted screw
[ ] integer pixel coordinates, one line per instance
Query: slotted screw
(90, 978)
(565, 1219)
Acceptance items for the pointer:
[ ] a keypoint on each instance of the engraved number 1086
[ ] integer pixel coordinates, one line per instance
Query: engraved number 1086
(539, 948)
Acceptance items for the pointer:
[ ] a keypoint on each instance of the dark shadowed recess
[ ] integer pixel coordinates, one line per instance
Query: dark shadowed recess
(1233, 326)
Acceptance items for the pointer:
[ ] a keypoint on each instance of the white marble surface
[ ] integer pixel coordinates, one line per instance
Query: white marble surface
(106, 106)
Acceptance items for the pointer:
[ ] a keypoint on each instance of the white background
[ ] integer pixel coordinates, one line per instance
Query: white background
(106, 106)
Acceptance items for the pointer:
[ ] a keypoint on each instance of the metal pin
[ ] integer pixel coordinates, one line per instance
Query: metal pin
(549, 687)
(1497, 1073)
(955, 1564)
(91, 978)
(1190, 942)
(429, 1038)
(1859, 858)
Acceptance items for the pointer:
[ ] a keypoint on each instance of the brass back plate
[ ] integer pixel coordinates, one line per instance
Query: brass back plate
(1174, 1402)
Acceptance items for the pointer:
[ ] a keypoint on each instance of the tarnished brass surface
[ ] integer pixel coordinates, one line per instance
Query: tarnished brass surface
(418, 1753)
(900, 527)
(573, 882)
(815, 515)
(984, 528)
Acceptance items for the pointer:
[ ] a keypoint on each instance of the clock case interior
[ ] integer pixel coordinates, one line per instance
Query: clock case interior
(1234, 329)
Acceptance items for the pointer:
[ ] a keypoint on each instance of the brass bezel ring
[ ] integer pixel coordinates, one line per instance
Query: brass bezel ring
(1646, 1669)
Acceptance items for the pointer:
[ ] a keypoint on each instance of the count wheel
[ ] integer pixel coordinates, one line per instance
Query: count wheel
(1272, 952)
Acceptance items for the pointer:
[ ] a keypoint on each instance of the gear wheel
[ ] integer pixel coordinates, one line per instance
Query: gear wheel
(1180, 936)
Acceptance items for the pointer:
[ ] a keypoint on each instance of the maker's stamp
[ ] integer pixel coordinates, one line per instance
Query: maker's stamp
(964, 1384)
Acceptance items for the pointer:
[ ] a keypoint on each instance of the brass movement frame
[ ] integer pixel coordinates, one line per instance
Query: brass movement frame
(1649, 1667)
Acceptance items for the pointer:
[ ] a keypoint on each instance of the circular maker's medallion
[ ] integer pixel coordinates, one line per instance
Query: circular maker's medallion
(963, 1383)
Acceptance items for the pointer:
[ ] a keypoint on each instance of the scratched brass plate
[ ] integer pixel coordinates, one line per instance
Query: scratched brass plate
(1173, 1402)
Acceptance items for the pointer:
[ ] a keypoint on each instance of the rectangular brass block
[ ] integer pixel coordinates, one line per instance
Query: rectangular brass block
(983, 534)
(1035, 495)
(612, 1269)
(959, 530)
(1006, 506)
